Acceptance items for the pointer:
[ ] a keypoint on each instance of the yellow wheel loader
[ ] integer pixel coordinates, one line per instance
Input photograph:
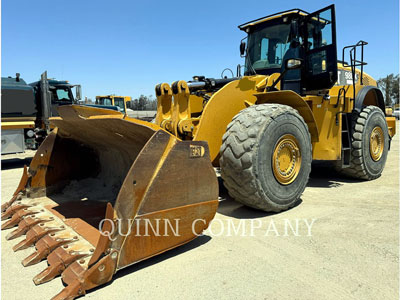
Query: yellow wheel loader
(102, 183)
(122, 102)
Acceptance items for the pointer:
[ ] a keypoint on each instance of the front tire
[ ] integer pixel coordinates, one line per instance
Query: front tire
(265, 157)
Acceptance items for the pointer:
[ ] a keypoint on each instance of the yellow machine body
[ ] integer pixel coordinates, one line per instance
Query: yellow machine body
(175, 112)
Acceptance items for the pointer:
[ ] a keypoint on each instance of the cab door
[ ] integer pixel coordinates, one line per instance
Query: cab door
(321, 53)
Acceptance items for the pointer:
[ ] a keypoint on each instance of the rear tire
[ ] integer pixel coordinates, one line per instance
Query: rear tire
(265, 157)
(368, 155)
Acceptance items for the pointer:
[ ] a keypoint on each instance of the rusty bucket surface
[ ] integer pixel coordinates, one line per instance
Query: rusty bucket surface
(105, 191)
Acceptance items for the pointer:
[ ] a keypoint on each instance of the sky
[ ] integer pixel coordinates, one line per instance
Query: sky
(127, 47)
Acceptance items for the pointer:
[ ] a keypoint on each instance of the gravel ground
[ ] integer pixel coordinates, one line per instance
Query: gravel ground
(351, 251)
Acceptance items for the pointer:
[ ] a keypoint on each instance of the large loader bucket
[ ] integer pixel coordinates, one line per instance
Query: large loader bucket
(105, 191)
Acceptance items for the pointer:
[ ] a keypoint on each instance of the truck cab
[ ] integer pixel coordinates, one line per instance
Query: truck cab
(59, 91)
(26, 109)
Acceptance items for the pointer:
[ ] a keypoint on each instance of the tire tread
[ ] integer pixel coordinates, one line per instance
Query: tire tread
(238, 149)
(357, 167)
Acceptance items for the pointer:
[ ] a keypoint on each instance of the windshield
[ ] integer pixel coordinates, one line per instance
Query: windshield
(61, 94)
(120, 103)
(104, 101)
(267, 47)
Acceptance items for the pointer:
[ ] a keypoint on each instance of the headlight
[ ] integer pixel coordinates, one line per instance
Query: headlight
(30, 133)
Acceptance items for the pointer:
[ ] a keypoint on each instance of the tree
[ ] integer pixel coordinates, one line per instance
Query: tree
(390, 88)
(135, 104)
(144, 103)
(151, 103)
(395, 89)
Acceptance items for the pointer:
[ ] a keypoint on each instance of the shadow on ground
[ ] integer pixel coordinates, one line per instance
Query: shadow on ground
(323, 175)
(14, 163)
(199, 241)
(231, 208)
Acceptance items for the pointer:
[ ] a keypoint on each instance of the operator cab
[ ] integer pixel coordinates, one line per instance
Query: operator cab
(111, 101)
(294, 34)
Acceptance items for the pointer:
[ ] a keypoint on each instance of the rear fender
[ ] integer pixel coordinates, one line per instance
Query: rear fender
(369, 95)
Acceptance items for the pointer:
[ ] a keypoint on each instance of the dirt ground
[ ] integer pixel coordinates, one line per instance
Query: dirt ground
(351, 251)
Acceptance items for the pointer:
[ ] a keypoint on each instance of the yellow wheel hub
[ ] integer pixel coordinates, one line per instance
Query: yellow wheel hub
(286, 159)
(376, 143)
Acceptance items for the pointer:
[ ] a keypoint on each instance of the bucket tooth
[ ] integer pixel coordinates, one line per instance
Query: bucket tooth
(12, 210)
(6, 205)
(71, 291)
(25, 224)
(17, 217)
(58, 261)
(49, 273)
(34, 258)
(44, 247)
(34, 234)
(73, 277)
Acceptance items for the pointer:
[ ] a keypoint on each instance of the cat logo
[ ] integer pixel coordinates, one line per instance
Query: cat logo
(196, 151)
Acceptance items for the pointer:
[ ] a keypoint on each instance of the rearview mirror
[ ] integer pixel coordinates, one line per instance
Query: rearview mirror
(129, 104)
(78, 93)
(293, 63)
(242, 47)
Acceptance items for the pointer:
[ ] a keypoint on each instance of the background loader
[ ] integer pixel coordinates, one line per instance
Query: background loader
(122, 102)
(124, 105)
(295, 103)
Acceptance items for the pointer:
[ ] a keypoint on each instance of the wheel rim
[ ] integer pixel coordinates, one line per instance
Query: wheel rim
(286, 160)
(376, 143)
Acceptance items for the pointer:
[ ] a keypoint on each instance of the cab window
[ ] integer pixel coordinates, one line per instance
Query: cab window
(320, 31)
(267, 47)
(319, 36)
(61, 94)
(120, 103)
(104, 101)
(321, 70)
